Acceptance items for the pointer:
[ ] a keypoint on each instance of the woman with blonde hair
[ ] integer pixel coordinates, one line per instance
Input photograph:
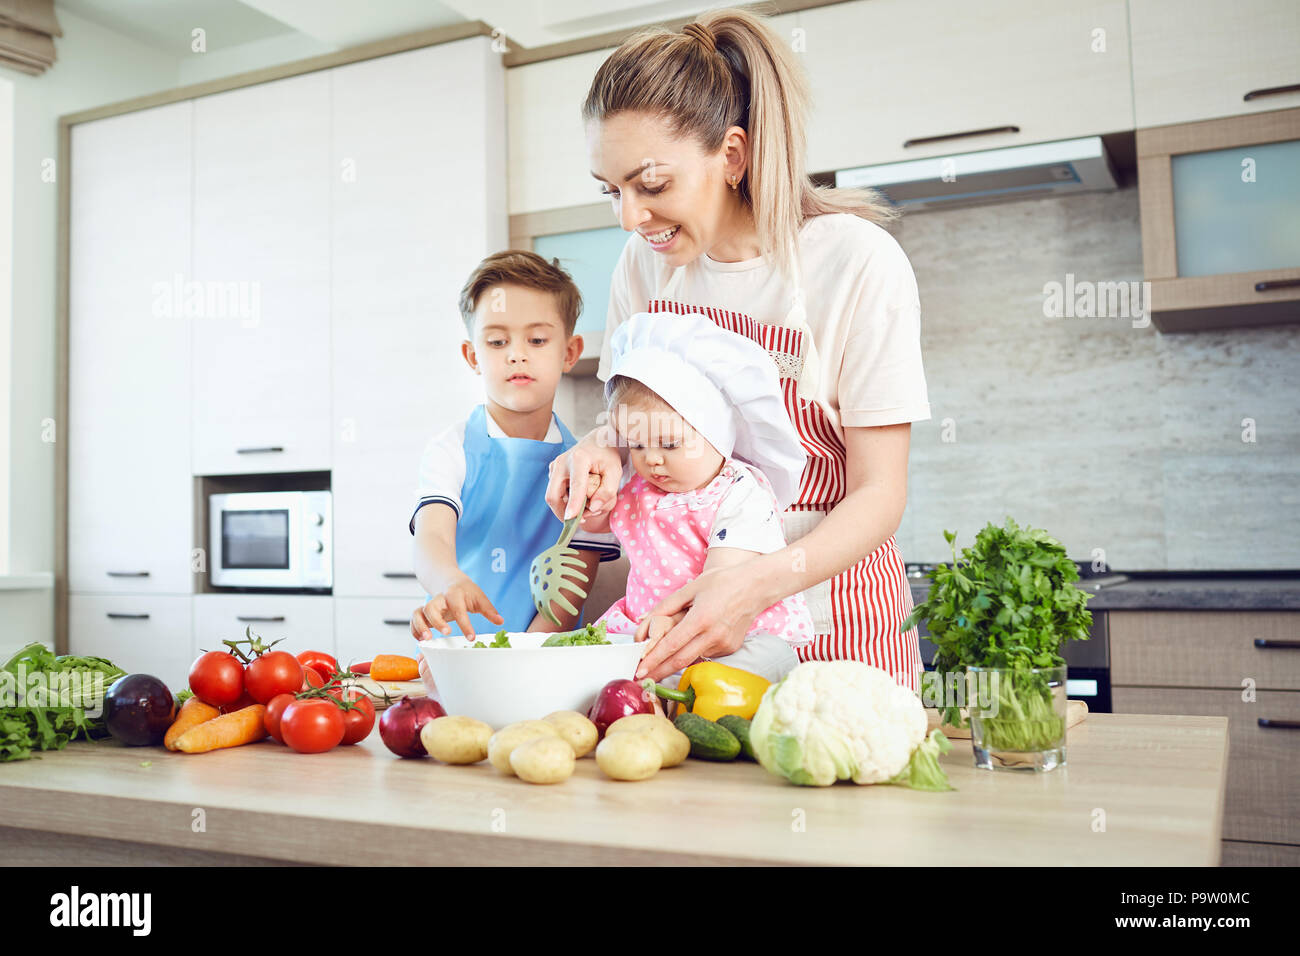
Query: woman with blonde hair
(698, 139)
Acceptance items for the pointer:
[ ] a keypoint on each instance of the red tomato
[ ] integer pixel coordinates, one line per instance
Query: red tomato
(275, 713)
(311, 678)
(217, 678)
(320, 662)
(358, 722)
(276, 672)
(312, 725)
(362, 667)
(244, 701)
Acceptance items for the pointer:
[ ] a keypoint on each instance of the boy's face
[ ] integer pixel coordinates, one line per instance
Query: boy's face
(664, 449)
(519, 346)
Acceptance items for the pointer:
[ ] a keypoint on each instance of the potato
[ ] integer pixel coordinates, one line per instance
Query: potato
(574, 727)
(511, 736)
(674, 744)
(459, 740)
(543, 760)
(629, 756)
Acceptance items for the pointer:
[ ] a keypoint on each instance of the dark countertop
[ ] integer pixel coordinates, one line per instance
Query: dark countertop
(1193, 591)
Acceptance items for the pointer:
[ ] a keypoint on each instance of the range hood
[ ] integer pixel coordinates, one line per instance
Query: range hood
(993, 175)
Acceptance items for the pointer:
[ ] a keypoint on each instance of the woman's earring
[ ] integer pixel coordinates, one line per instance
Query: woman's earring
(734, 182)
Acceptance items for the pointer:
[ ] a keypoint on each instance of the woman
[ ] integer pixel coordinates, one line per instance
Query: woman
(698, 138)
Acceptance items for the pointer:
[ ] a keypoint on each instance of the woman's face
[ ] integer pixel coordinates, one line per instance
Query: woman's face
(664, 449)
(669, 191)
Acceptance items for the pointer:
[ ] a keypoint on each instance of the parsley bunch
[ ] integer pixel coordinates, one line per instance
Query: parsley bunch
(1009, 602)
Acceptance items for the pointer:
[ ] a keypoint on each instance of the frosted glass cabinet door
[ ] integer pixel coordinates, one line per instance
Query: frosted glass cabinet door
(1237, 210)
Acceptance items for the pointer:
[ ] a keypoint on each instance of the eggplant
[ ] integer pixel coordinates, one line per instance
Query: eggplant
(138, 709)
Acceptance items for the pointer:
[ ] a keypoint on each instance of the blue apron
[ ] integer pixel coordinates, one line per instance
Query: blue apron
(505, 521)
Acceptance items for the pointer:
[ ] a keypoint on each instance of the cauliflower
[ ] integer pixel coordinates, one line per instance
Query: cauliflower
(845, 720)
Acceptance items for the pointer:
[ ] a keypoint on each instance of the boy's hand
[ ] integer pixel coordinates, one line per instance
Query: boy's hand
(461, 599)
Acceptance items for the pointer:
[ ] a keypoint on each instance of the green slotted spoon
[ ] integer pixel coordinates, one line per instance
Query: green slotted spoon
(558, 569)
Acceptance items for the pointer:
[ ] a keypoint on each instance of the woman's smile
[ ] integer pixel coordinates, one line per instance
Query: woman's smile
(661, 240)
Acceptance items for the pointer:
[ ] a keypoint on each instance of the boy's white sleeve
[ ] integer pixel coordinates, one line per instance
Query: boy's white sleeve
(606, 545)
(442, 471)
(747, 519)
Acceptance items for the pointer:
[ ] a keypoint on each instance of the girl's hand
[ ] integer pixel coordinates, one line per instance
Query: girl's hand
(720, 608)
(655, 626)
(594, 458)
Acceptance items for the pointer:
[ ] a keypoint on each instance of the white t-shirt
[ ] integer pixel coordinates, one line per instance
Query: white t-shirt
(861, 302)
(442, 475)
(746, 517)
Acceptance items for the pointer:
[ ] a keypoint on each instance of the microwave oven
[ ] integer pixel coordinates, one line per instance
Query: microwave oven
(271, 539)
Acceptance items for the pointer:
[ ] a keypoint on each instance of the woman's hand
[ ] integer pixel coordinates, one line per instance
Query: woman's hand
(720, 606)
(461, 599)
(595, 456)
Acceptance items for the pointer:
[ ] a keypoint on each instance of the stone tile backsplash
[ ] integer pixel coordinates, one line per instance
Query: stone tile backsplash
(1121, 441)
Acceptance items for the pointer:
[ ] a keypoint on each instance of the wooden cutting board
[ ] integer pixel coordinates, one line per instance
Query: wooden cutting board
(1075, 712)
(395, 689)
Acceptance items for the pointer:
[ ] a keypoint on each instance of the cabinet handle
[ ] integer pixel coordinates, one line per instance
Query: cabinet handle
(1273, 644)
(1271, 91)
(1276, 284)
(115, 616)
(397, 622)
(128, 574)
(973, 132)
(253, 619)
(400, 574)
(1274, 724)
(259, 451)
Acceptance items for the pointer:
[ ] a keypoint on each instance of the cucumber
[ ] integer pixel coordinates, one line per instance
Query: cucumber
(739, 728)
(708, 740)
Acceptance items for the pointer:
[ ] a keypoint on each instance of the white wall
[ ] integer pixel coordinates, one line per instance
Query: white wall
(95, 66)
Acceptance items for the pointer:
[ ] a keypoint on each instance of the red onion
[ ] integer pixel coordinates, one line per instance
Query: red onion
(399, 727)
(618, 699)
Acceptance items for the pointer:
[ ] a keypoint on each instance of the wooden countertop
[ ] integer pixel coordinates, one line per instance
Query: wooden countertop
(1138, 789)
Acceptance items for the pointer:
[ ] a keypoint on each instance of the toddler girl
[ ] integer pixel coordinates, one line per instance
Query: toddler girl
(691, 400)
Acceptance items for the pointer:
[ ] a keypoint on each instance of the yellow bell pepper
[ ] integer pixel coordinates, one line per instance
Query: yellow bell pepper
(713, 690)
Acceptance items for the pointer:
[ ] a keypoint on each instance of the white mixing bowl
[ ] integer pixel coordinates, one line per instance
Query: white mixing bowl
(500, 685)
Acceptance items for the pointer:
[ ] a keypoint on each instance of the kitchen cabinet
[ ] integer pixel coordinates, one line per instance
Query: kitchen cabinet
(410, 219)
(1241, 665)
(897, 80)
(261, 235)
(1199, 59)
(128, 429)
(364, 627)
(1219, 203)
(142, 634)
(303, 621)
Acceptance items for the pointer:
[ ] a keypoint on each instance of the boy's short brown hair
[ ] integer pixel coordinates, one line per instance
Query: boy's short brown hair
(527, 269)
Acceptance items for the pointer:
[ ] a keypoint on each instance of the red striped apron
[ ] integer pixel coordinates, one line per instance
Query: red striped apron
(869, 600)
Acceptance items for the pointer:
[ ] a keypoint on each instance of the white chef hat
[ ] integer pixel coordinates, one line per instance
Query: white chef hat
(724, 384)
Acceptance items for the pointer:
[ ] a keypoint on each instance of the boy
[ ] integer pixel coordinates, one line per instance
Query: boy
(482, 515)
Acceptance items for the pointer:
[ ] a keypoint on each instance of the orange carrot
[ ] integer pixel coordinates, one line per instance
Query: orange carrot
(193, 712)
(394, 667)
(229, 730)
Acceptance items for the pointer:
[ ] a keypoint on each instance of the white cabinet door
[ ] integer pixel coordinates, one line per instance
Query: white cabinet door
(128, 433)
(412, 216)
(144, 634)
(1197, 59)
(304, 621)
(262, 262)
(885, 72)
(364, 627)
